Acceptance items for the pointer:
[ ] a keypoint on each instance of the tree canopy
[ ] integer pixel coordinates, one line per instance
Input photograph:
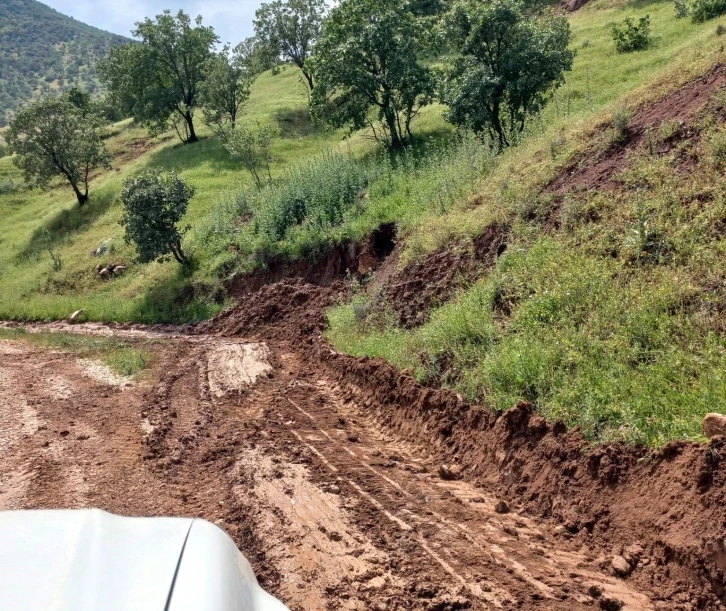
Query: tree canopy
(159, 80)
(225, 89)
(53, 137)
(507, 64)
(366, 63)
(154, 203)
(289, 29)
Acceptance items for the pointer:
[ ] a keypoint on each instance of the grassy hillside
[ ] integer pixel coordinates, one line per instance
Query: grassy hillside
(41, 50)
(604, 310)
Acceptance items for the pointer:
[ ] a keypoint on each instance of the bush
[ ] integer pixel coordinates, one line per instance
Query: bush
(703, 10)
(681, 9)
(316, 193)
(629, 37)
(10, 187)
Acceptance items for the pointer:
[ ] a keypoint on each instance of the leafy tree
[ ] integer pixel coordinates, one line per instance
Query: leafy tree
(289, 29)
(368, 59)
(252, 148)
(154, 203)
(507, 64)
(225, 90)
(52, 137)
(630, 37)
(159, 80)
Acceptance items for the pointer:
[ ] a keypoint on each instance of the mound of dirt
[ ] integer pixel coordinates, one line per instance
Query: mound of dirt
(434, 279)
(289, 309)
(671, 503)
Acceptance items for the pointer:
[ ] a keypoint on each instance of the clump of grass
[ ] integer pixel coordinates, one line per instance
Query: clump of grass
(715, 144)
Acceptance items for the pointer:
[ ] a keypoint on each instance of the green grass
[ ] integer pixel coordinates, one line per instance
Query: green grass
(123, 358)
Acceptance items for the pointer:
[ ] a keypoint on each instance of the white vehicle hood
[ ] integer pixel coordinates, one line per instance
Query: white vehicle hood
(90, 560)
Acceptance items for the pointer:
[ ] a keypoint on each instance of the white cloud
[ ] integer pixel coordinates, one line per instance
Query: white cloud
(232, 20)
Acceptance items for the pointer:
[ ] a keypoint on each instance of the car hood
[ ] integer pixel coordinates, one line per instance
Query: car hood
(89, 560)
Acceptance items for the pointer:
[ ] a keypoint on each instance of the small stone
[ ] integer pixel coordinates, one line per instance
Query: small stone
(633, 553)
(501, 507)
(450, 472)
(510, 530)
(82, 437)
(334, 489)
(77, 315)
(64, 433)
(477, 499)
(714, 425)
(353, 438)
(621, 566)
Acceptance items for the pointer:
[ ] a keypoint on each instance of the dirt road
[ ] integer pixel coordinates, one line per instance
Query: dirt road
(333, 508)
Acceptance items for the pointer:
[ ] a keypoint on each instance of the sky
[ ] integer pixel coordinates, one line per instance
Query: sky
(232, 19)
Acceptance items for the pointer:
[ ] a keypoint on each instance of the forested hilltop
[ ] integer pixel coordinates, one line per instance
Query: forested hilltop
(42, 49)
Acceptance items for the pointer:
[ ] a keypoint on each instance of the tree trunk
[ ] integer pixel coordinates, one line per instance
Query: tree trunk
(396, 142)
(497, 123)
(82, 197)
(190, 124)
(178, 253)
(309, 78)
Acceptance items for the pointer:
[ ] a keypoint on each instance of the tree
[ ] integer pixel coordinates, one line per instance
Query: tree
(252, 148)
(289, 30)
(52, 137)
(154, 203)
(507, 65)
(225, 90)
(368, 58)
(159, 80)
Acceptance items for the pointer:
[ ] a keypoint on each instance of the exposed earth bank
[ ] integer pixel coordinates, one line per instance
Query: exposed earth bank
(347, 484)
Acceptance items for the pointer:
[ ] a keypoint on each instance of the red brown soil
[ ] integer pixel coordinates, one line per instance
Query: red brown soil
(593, 171)
(434, 279)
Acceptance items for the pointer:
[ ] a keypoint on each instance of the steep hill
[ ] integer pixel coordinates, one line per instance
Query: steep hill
(42, 49)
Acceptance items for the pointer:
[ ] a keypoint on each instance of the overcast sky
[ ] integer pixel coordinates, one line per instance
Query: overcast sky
(232, 19)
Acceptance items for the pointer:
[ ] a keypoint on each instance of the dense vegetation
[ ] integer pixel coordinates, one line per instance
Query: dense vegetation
(605, 309)
(43, 50)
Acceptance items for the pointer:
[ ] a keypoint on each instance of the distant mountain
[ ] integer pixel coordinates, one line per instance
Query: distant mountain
(42, 50)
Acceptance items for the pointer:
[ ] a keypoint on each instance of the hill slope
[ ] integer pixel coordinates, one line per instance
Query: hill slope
(42, 49)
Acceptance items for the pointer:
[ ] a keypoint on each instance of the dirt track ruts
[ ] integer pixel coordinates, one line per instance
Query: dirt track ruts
(334, 509)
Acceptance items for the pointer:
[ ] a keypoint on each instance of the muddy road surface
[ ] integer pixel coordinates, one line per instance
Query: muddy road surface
(334, 509)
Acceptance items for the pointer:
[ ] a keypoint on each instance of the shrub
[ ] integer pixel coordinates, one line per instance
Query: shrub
(703, 10)
(630, 37)
(316, 193)
(9, 186)
(252, 148)
(153, 205)
(621, 124)
(681, 9)
(720, 29)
